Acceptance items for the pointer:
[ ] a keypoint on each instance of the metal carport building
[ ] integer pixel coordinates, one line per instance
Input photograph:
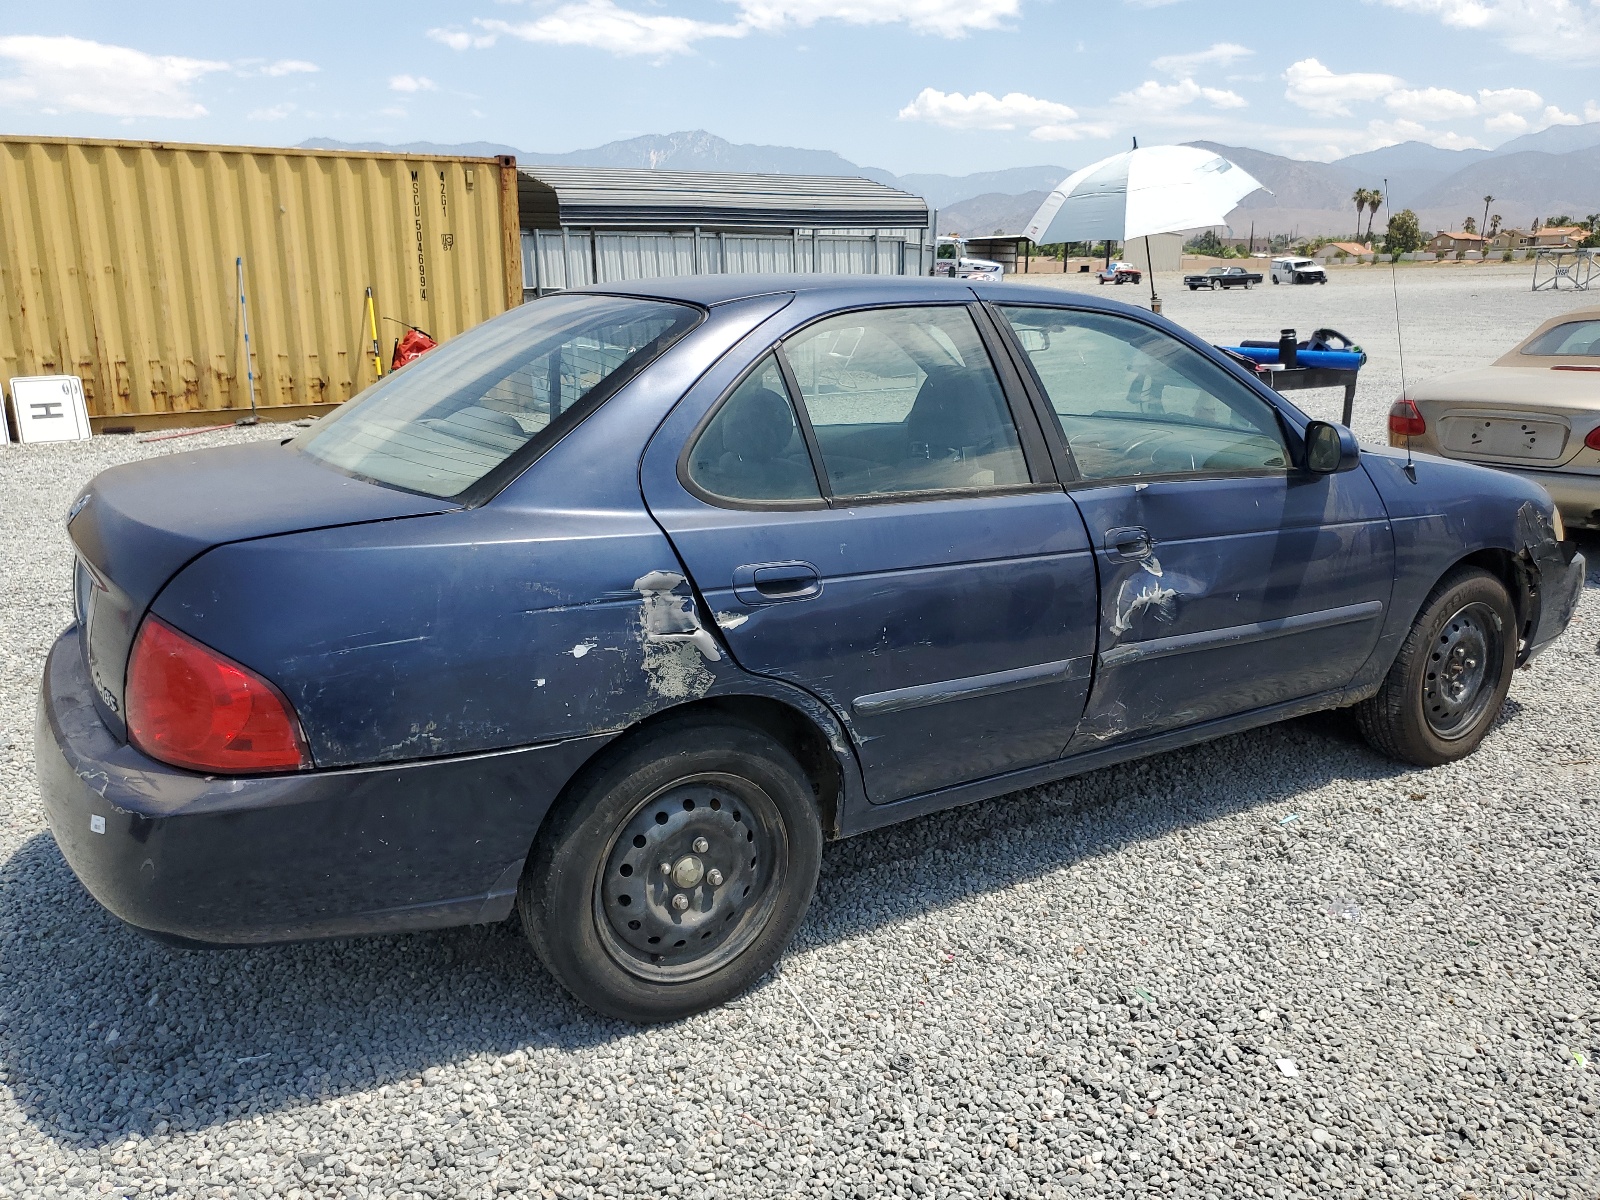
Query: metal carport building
(585, 225)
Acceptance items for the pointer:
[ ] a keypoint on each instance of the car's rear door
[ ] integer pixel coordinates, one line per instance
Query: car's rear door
(867, 517)
(1230, 580)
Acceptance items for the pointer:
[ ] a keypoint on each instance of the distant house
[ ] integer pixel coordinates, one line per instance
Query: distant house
(1557, 235)
(1332, 250)
(1549, 236)
(1448, 243)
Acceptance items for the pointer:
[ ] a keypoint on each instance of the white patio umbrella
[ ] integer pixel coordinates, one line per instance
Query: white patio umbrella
(1159, 189)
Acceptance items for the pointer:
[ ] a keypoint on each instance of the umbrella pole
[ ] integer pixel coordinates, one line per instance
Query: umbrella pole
(1155, 300)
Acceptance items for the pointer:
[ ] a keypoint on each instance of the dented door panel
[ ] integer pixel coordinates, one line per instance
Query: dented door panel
(1245, 592)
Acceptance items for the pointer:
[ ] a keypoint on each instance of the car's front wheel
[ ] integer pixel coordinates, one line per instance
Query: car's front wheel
(1450, 679)
(674, 876)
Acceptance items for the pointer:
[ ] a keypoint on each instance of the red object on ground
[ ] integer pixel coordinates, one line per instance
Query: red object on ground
(414, 344)
(1405, 420)
(192, 707)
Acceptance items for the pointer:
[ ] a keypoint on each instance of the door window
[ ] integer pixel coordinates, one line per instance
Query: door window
(905, 400)
(752, 449)
(1134, 401)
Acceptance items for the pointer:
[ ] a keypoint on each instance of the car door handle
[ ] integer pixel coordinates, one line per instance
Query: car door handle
(776, 583)
(1129, 545)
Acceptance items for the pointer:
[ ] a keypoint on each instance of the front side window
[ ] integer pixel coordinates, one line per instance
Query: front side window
(1134, 401)
(905, 400)
(752, 449)
(444, 422)
(1577, 338)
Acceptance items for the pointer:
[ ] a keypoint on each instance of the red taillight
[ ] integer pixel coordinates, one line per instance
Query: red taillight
(1405, 420)
(191, 707)
(1592, 440)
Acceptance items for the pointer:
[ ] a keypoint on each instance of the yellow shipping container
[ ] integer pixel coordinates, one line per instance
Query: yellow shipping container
(117, 264)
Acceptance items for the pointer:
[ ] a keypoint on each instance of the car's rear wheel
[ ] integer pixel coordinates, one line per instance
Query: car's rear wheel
(675, 875)
(1450, 679)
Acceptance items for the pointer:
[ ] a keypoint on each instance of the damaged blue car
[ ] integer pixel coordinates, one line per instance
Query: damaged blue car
(617, 608)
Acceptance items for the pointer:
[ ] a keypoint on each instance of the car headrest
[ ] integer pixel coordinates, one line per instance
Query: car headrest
(949, 411)
(758, 426)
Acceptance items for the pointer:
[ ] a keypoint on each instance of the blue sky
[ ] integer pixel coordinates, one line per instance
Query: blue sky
(909, 85)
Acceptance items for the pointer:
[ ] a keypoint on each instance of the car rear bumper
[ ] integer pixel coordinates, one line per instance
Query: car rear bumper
(1577, 496)
(241, 861)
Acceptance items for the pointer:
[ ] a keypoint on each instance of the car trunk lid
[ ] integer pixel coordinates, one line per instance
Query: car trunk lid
(1527, 416)
(135, 526)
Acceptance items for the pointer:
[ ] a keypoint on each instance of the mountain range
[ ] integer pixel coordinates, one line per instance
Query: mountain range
(1544, 174)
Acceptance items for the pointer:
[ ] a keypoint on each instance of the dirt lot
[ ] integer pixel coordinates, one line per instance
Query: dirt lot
(1275, 965)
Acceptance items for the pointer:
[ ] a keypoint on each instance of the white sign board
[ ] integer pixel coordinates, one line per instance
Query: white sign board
(50, 408)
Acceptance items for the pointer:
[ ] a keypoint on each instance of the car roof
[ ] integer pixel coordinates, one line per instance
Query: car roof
(711, 290)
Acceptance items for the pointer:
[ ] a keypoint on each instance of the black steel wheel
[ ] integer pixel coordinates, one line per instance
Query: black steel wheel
(1450, 678)
(691, 878)
(675, 871)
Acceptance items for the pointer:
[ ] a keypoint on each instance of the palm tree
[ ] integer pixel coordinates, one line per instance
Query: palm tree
(1487, 200)
(1494, 224)
(1359, 199)
(1470, 225)
(1375, 201)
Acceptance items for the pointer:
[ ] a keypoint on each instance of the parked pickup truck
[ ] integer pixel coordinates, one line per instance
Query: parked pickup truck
(1223, 277)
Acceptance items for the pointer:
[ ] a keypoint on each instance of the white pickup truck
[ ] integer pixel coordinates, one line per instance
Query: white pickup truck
(1298, 270)
(950, 259)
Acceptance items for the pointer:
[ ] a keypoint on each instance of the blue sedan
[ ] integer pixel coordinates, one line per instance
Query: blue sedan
(615, 609)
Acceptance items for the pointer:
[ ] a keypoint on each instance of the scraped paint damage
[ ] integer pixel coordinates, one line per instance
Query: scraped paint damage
(1144, 593)
(676, 645)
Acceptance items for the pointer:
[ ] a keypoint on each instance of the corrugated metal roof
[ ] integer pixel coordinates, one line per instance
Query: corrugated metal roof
(581, 196)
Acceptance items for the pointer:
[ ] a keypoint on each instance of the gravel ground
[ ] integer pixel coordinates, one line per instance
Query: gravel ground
(1275, 965)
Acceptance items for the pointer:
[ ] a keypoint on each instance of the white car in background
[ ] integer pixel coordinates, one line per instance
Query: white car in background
(1298, 270)
(951, 260)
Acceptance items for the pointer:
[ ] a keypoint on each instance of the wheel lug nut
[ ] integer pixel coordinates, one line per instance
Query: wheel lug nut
(666, 868)
(680, 902)
(714, 877)
(701, 845)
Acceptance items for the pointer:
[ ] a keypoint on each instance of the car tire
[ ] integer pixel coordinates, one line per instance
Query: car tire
(1275, 279)
(731, 814)
(1448, 684)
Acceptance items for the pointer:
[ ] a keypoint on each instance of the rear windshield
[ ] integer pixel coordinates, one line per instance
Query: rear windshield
(1572, 337)
(444, 423)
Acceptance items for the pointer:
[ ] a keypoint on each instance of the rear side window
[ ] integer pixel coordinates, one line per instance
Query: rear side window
(444, 423)
(1574, 337)
(753, 448)
(905, 400)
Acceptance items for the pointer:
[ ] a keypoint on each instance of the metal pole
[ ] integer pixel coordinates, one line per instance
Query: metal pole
(372, 330)
(1150, 263)
(244, 320)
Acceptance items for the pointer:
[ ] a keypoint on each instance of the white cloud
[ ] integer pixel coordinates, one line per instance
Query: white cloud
(1508, 123)
(68, 74)
(274, 112)
(983, 111)
(1506, 100)
(1316, 89)
(947, 18)
(1221, 54)
(1591, 111)
(602, 25)
(1554, 116)
(1075, 132)
(458, 39)
(1557, 30)
(289, 66)
(1154, 99)
(1430, 104)
(412, 83)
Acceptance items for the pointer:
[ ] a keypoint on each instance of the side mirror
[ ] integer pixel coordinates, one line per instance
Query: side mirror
(1033, 339)
(1330, 448)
